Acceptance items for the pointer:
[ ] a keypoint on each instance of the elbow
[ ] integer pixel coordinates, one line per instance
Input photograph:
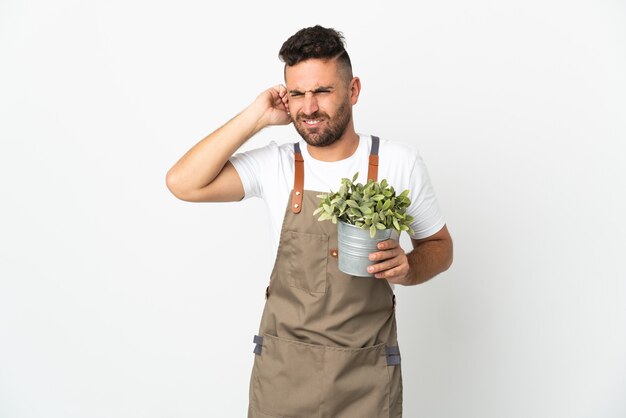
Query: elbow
(449, 261)
(175, 186)
(450, 256)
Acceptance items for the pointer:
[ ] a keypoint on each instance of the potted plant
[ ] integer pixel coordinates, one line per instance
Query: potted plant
(365, 215)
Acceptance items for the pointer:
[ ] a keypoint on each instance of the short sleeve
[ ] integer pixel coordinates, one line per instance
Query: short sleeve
(251, 166)
(424, 208)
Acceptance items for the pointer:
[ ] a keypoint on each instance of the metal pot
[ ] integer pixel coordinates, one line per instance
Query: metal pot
(354, 247)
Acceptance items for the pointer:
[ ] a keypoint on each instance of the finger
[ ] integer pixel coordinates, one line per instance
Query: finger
(396, 268)
(396, 275)
(386, 265)
(280, 101)
(282, 105)
(387, 244)
(384, 255)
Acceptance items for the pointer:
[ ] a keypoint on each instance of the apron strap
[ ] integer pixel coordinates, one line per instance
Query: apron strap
(298, 181)
(372, 170)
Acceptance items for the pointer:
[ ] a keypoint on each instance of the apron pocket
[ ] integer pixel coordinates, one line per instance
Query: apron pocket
(307, 260)
(356, 382)
(295, 379)
(287, 377)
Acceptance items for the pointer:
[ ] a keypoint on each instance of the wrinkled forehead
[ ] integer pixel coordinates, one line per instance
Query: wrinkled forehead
(312, 74)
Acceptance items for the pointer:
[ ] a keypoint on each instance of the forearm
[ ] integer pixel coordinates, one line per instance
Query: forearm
(203, 162)
(428, 259)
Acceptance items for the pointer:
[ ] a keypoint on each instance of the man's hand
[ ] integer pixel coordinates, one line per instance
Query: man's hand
(273, 106)
(391, 263)
(429, 257)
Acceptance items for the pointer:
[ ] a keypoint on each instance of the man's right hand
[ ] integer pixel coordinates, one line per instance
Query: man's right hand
(273, 104)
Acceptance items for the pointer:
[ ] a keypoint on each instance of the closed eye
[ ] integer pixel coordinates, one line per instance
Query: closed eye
(320, 90)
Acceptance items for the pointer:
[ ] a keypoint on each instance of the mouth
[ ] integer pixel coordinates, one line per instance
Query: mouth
(312, 122)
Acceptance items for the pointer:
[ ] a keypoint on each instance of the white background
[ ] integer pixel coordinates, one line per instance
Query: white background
(118, 300)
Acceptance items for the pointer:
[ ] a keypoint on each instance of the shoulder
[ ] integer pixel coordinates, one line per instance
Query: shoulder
(269, 149)
(399, 154)
(280, 151)
(285, 150)
(263, 170)
(401, 164)
(271, 153)
(397, 148)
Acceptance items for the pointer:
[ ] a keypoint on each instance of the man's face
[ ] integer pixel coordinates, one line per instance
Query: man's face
(320, 100)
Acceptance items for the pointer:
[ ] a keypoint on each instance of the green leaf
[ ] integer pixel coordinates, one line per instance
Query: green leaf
(380, 226)
(396, 224)
(372, 231)
(324, 216)
(355, 212)
(356, 176)
(352, 203)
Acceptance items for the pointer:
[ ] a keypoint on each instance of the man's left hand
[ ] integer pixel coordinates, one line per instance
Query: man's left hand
(391, 263)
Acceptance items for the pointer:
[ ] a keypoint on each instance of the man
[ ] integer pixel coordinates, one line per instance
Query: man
(327, 344)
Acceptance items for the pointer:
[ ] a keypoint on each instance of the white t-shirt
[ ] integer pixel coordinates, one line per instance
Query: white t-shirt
(268, 172)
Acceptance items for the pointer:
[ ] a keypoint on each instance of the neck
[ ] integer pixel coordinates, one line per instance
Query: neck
(341, 149)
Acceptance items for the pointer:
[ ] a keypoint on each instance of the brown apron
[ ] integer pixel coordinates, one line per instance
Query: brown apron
(327, 344)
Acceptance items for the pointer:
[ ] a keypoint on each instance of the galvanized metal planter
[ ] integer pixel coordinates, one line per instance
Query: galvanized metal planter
(355, 245)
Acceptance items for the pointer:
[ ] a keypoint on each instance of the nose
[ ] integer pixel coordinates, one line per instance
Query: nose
(310, 103)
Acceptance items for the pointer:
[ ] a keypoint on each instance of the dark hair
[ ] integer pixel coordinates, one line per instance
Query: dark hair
(315, 42)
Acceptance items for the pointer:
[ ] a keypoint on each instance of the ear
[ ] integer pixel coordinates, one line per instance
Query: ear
(355, 90)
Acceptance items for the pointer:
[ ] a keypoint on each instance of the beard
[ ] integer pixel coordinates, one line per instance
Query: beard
(336, 127)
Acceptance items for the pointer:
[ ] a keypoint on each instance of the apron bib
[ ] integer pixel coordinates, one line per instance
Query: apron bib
(327, 344)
